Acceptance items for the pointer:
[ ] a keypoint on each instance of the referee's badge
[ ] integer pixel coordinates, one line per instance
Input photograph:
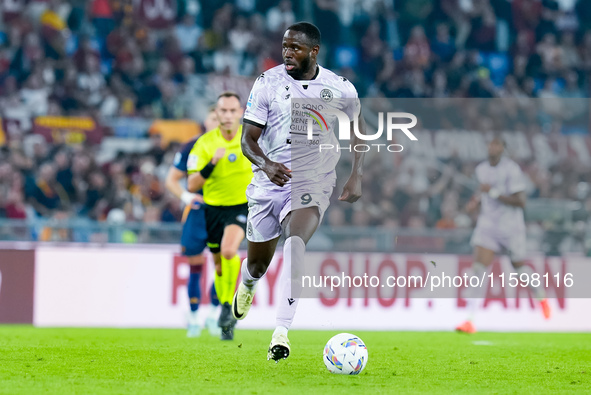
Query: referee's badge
(241, 218)
(232, 157)
(192, 162)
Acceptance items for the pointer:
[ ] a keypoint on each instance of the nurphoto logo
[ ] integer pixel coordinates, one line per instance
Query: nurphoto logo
(318, 116)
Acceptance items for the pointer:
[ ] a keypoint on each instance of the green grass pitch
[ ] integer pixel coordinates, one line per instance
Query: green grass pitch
(157, 361)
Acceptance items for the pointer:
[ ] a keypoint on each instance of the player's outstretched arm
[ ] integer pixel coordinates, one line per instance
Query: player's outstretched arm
(278, 173)
(173, 184)
(352, 189)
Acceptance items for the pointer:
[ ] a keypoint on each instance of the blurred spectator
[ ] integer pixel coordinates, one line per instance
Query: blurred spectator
(413, 13)
(54, 30)
(187, 33)
(16, 116)
(240, 36)
(586, 52)
(482, 86)
(280, 17)
(442, 45)
(64, 175)
(48, 195)
(570, 53)
(91, 83)
(26, 56)
(172, 211)
(526, 15)
(483, 27)
(172, 51)
(101, 15)
(326, 18)
(417, 51)
(169, 105)
(35, 95)
(86, 49)
(95, 202)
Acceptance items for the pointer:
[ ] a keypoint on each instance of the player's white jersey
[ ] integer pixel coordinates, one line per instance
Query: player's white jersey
(272, 105)
(508, 179)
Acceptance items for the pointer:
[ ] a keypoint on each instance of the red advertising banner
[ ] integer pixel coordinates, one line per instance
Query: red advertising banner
(147, 288)
(17, 281)
(68, 130)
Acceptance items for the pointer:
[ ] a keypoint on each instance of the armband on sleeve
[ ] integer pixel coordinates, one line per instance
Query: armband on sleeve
(207, 170)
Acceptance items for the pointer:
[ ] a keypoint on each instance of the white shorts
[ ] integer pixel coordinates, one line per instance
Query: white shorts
(267, 208)
(515, 243)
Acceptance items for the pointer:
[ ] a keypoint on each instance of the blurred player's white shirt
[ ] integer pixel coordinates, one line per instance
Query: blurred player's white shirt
(270, 105)
(508, 179)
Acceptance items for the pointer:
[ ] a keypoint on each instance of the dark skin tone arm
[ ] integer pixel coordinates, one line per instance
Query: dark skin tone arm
(278, 173)
(352, 189)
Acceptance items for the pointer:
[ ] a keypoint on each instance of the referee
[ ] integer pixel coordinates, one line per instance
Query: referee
(218, 166)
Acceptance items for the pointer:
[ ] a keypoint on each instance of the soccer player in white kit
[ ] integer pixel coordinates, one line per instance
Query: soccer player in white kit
(501, 224)
(293, 180)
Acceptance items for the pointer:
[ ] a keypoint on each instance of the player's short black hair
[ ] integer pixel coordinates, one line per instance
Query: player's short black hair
(229, 94)
(309, 29)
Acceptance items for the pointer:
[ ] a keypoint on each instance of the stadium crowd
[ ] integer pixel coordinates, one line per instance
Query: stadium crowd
(123, 58)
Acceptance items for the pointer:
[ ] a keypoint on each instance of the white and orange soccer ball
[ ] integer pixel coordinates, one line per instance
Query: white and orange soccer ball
(345, 354)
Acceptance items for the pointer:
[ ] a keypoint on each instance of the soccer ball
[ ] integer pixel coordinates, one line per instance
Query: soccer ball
(345, 354)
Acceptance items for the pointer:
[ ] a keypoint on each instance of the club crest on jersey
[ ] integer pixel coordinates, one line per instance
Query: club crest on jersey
(326, 95)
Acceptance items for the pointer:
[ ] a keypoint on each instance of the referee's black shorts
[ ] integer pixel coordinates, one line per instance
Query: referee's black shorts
(218, 217)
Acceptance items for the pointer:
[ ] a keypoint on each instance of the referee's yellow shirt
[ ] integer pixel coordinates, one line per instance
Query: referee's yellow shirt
(226, 186)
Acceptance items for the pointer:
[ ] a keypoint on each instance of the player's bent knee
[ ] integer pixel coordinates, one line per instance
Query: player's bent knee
(257, 266)
(228, 253)
(257, 269)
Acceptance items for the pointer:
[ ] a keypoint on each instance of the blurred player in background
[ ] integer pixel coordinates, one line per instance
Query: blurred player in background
(501, 223)
(217, 165)
(271, 146)
(194, 234)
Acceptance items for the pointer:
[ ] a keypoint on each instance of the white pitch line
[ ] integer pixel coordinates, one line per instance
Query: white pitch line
(482, 343)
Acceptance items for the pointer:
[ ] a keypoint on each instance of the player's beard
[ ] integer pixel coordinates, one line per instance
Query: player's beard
(299, 72)
(494, 159)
